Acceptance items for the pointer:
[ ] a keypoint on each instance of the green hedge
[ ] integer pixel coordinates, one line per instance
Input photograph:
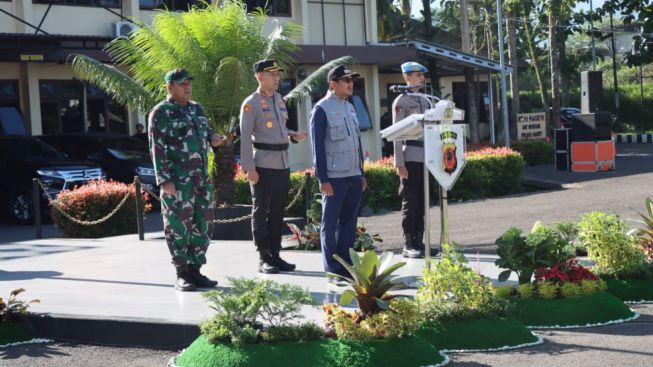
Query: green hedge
(535, 152)
(489, 172)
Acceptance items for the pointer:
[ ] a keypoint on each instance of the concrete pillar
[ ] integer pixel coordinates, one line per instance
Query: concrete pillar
(130, 8)
(375, 113)
(23, 10)
(34, 99)
(25, 103)
(370, 14)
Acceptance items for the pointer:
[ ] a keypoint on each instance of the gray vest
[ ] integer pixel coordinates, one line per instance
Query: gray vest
(342, 137)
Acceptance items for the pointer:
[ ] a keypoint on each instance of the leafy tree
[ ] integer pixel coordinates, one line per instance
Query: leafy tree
(218, 44)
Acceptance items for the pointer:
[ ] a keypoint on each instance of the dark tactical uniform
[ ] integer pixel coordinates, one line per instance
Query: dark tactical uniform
(179, 142)
(264, 147)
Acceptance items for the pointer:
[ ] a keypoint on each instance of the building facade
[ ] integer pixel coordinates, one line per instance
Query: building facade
(37, 37)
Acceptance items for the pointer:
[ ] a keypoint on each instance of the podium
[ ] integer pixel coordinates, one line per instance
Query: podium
(444, 153)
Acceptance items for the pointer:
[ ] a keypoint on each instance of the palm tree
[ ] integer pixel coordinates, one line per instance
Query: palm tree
(217, 45)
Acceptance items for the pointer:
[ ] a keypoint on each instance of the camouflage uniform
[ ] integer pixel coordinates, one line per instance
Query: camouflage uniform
(179, 142)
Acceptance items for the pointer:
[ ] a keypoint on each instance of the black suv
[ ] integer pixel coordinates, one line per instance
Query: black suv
(121, 157)
(23, 158)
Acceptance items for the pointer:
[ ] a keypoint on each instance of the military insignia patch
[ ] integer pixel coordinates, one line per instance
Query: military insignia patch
(268, 124)
(247, 108)
(449, 159)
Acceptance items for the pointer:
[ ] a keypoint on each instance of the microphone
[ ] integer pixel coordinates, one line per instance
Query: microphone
(403, 88)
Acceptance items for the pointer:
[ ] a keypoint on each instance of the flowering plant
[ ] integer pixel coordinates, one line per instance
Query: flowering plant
(565, 271)
(14, 308)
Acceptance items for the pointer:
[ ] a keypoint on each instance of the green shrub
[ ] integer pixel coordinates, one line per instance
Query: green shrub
(402, 318)
(504, 291)
(571, 290)
(535, 152)
(525, 290)
(547, 290)
(523, 254)
(14, 309)
(292, 333)
(94, 201)
(489, 172)
(589, 287)
(452, 289)
(569, 231)
(604, 236)
(241, 314)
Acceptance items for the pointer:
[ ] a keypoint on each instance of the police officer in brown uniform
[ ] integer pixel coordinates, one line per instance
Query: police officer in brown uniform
(409, 162)
(264, 159)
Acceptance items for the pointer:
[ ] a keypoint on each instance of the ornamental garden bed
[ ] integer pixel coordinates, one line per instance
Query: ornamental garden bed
(406, 351)
(13, 332)
(462, 310)
(496, 333)
(631, 290)
(592, 310)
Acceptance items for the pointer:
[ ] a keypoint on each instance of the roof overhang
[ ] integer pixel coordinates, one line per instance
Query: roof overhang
(449, 56)
(22, 47)
(384, 55)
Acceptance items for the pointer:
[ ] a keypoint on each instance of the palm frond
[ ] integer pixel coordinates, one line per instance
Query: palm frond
(316, 82)
(124, 90)
(232, 84)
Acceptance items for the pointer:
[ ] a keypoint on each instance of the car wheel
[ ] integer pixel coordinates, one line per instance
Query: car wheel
(21, 207)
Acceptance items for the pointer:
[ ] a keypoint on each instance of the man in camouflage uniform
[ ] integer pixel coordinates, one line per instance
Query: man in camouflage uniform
(409, 162)
(264, 159)
(179, 136)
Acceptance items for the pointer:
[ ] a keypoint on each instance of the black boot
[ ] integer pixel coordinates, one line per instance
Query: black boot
(409, 248)
(200, 280)
(419, 244)
(282, 264)
(267, 264)
(184, 281)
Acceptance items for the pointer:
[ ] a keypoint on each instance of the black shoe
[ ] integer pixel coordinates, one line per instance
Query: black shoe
(200, 280)
(283, 265)
(184, 281)
(267, 266)
(410, 250)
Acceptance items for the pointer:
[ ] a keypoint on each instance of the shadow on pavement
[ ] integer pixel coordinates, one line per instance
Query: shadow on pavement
(27, 275)
(31, 350)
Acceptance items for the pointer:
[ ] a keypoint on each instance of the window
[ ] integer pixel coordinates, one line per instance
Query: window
(174, 5)
(63, 105)
(99, 3)
(358, 100)
(9, 93)
(279, 8)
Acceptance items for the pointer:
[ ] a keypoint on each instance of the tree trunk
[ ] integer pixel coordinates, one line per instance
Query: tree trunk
(224, 172)
(511, 31)
(536, 65)
(428, 19)
(405, 8)
(555, 72)
(472, 99)
(564, 75)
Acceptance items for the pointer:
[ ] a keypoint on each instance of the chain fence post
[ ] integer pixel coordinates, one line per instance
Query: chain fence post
(139, 208)
(36, 202)
(307, 196)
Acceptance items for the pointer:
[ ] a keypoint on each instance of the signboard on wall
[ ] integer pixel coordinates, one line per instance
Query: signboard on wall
(531, 126)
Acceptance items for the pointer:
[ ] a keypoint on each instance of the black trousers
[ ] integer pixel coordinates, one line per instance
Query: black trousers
(269, 197)
(411, 191)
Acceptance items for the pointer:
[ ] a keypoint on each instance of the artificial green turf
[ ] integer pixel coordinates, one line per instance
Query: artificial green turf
(631, 290)
(406, 352)
(11, 332)
(476, 334)
(597, 308)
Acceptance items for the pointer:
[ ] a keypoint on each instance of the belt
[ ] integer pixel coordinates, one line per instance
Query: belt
(415, 143)
(277, 147)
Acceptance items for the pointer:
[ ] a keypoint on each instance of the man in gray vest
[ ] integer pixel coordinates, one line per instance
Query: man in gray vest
(338, 162)
(264, 159)
(409, 162)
